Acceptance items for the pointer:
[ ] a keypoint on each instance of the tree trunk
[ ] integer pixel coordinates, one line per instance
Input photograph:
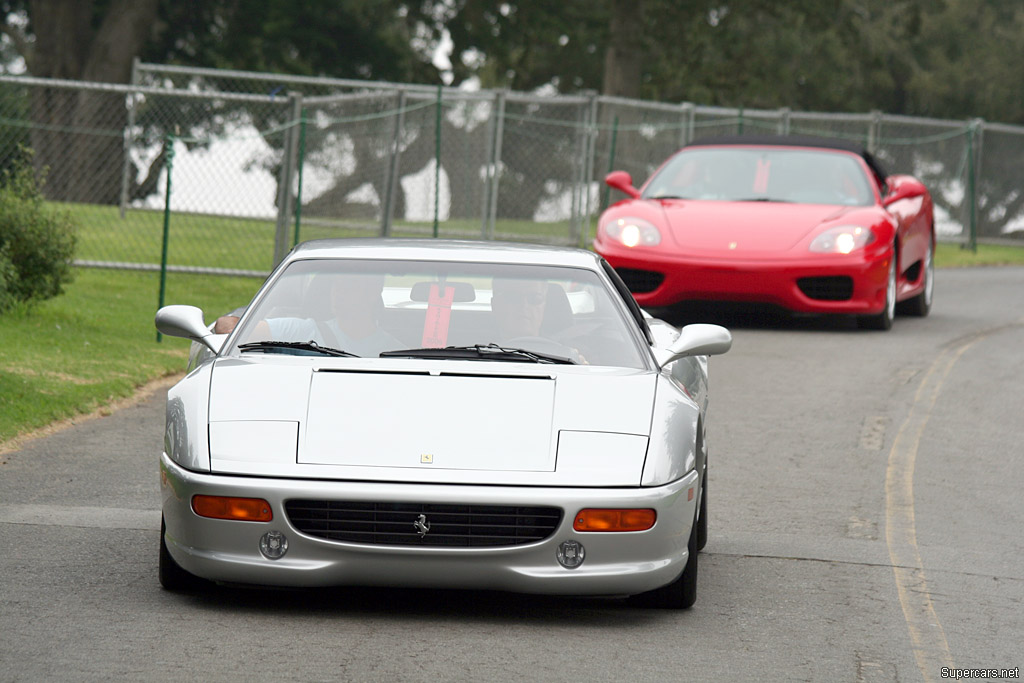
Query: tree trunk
(623, 61)
(78, 135)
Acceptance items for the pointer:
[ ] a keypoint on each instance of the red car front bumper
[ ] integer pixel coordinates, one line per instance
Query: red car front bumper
(817, 283)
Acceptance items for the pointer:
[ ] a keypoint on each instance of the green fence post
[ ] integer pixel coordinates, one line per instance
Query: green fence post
(783, 125)
(302, 158)
(611, 159)
(494, 167)
(874, 132)
(289, 157)
(972, 197)
(591, 161)
(391, 180)
(686, 125)
(437, 160)
(169, 163)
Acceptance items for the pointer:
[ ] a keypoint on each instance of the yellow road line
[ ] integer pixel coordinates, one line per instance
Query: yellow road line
(931, 650)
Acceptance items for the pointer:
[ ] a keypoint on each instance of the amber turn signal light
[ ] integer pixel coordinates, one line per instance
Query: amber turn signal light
(240, 509)
(594, 519)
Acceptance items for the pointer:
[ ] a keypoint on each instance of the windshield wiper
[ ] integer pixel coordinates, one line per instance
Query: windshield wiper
(481, 352)
(763, 199)
(301, 346)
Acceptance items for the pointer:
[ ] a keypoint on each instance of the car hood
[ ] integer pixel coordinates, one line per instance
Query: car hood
(430, 421)
(745, 228)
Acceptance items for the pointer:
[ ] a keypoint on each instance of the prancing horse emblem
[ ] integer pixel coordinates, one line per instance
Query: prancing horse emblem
(421, 525)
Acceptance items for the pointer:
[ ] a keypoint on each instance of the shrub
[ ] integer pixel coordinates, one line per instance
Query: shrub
(7, 277)
(37, 242)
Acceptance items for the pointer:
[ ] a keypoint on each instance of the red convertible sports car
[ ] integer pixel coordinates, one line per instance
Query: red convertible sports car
(812, 225)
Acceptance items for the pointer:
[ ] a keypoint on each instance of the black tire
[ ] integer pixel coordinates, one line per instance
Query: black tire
(681, 593)
(921, 304)
(883, 320)
(702, 515)
(172, 576)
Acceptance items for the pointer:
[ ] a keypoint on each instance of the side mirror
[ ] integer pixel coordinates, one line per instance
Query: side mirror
(696, 340)
(187, 322)
(903, 187)
(623, 182)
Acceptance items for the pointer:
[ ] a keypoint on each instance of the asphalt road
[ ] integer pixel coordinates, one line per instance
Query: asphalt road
(865, 521)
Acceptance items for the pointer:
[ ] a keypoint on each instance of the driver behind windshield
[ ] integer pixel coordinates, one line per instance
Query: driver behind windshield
(355, 302)
(518, 307)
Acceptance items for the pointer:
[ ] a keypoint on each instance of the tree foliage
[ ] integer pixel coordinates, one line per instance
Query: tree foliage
(949, 58)
(97, 40)
(938, 58)
(527, 44)
(971, 61)
(364, 39)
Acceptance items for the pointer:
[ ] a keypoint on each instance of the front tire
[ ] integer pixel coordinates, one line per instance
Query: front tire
(681, 593)
(702, 518)
(172, 576)
(921, 304)
(883, 320)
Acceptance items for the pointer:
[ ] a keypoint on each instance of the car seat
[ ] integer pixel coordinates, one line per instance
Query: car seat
(557, 311)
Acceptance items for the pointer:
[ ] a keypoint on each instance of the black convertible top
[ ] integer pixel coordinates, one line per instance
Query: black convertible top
(796, 141)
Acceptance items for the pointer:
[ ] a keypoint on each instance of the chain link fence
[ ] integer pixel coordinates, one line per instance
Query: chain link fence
(216, 171)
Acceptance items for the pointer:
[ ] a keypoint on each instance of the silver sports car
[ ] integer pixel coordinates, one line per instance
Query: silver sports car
(439, 414)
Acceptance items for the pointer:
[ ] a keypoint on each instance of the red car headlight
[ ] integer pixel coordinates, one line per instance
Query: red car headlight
(843, 239)
(633, 232)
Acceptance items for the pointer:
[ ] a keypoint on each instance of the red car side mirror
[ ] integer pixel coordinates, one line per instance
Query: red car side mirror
(903, 187)
(622, 181)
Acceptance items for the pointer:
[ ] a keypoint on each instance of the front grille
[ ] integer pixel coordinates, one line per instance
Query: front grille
(827, 288)
(640, 281)
(470, 526)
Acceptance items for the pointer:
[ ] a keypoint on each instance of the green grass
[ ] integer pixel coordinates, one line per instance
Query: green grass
(193, 240)
(954, 256)
(246, 244)
(96, 343)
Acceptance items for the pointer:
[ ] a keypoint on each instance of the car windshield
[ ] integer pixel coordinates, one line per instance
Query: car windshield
(800, 176)
(441, 310)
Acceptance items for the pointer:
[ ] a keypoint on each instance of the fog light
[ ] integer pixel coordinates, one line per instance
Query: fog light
(570, 554)
(273, 545)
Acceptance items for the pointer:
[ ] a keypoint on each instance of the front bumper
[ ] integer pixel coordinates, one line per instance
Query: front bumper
(615, 563)
(760, 281)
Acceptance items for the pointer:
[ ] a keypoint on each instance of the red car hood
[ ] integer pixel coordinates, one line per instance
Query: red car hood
(745, 228)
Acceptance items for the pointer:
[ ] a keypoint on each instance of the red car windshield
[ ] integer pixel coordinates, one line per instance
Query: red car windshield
(801, 176)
